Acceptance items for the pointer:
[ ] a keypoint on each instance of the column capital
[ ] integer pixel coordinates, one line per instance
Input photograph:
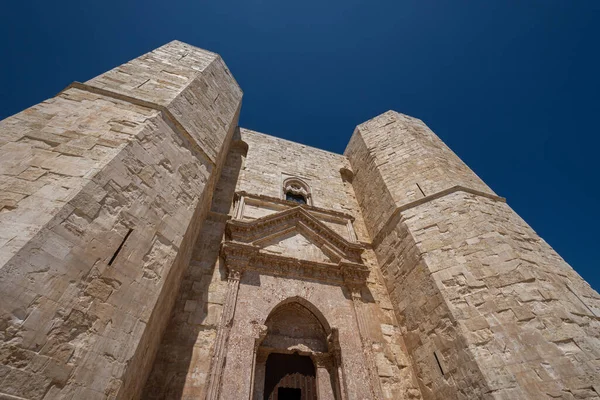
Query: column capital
(260, 332)
(234, 273)
(355, 291)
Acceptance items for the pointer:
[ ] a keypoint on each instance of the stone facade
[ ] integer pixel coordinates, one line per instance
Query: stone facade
(150, 248)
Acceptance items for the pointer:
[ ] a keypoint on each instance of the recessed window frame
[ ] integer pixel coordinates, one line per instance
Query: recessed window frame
(294, 189)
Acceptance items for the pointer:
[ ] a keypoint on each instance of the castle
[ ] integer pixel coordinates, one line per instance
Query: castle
(150, 248)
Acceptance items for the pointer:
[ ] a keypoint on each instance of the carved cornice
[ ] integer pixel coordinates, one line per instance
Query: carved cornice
(276, 200)
(254, 231)
(250, 257)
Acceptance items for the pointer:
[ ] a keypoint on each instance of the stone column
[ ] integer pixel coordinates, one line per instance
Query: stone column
(324, 370)
(366, 342)
(218, 358)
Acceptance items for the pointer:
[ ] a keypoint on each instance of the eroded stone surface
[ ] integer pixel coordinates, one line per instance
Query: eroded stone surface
(488, 309)
(104, 198)
(150, 248)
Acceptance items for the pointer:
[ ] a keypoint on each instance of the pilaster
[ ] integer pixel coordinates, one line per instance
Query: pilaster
(218, 359)
(366, 342)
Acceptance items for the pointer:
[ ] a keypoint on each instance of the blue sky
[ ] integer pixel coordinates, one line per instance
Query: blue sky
(511, 86)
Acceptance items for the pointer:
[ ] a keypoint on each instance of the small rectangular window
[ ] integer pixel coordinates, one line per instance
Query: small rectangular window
(438, 362)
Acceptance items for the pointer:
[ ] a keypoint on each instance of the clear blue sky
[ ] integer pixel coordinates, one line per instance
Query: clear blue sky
(512, 86)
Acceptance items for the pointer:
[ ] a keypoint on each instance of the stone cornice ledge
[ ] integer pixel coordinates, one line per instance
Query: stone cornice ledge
(288, 203)
(143, 103)
(247, 230)
(242, 256)
(379, 236)
(446, 192)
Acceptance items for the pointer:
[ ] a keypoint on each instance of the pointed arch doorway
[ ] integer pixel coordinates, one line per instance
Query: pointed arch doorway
(297, 357)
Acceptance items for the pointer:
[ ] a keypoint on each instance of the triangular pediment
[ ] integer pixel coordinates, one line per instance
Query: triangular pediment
(293, 243)
(294, 233)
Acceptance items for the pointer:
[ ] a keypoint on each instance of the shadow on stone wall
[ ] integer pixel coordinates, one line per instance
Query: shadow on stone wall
(182, 364)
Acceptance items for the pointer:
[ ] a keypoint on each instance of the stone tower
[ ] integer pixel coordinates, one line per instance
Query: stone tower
(150, 248)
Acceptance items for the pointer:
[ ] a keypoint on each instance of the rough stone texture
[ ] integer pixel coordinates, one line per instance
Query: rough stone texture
(256, 167)
(184, 80)
(406, 162)
(182, 365)
(269, 161)
(80, 174)
(147, 250)
(488, 309)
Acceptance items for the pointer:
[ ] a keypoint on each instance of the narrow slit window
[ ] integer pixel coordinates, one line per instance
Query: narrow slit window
(120, 247)
(438, 362)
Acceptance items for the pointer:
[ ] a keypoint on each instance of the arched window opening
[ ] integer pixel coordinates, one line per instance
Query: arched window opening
(296, 190)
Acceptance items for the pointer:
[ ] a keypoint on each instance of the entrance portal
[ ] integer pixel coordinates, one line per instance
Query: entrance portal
(290, 377)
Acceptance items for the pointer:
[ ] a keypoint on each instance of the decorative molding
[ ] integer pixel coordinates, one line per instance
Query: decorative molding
(234, 274)
(344, 272)
(310, 208)
(256, 230)
(296, 186)
(242, 249)
(218, 357)
(377, 238)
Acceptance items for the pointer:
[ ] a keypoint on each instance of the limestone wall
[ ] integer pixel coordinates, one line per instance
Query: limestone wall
(257, 164)
(269, 160)
(531, 322)
(183, 361)
(487, 308)
(114, 202)
(193, 85)
(104, 189)
(397, 159)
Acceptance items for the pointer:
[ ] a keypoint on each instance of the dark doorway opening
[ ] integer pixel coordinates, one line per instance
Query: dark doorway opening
(289, 394)
(290, 377)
